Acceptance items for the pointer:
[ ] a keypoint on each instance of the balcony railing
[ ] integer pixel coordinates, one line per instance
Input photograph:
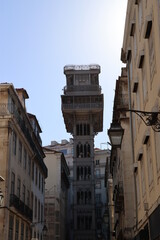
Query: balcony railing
(20, 206)
(82, 106)
(82, 88)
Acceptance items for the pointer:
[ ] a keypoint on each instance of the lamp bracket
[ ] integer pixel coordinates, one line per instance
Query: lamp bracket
(149, 118)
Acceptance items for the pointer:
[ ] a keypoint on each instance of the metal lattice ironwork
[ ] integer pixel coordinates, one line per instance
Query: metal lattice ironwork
(149, 118)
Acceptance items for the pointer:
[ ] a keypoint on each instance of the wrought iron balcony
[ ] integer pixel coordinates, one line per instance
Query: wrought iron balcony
(20, 206)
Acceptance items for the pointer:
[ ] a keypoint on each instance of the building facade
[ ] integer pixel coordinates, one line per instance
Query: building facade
(82, 108)
(22, 167)
(122, 168)
(101, 199)
(100, 157)
(140, 53)
(56, 194)
(66, 147)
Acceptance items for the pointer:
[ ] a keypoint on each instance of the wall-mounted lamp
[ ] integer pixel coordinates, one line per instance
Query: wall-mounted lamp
(149, 118)
(115, 134)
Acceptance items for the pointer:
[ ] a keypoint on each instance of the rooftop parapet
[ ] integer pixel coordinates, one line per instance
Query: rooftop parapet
(81, 67)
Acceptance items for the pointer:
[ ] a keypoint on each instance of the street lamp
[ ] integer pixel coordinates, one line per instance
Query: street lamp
(149, 118)
(115, 134)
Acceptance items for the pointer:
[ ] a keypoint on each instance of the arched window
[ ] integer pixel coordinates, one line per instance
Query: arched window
(77, 129)
(77, 173)
(88, 129)
(78, 151)
(81, 150)
(82, 129)
(88, 151)
(82, 173)
(85, 150)
(78, 197)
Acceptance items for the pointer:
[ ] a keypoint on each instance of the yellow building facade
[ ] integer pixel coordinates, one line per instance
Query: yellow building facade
(140, 53)
(22, 168)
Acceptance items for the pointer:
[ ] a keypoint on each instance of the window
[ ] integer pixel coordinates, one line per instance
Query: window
(14, 143)
(137, 187)
(98, 184)
(143, 177)
(22, 231)
(149, 162)
(39, 180)
(11, 223)
(25, 159)
(64, 151)
(20, 152)
(36, 175)
(18, 187)
(17, 229)
(98, 212)
(32, 200)
(83, 151)
(33, 171)
(69, 80)
(39, 210)
(97, 172)
(81, 79)
(98, 198)
(84, 222)
(28, 198)
(41, 213)
(12, 183)
(94, 79)
(42, 184)
(23, 193)
(27, 233)
(35, 213)
(99, 225)
(57, 229)
(83, 129)
(83, 172)
(84, 197)
(57, 216)
(97, 162)
(29, 166)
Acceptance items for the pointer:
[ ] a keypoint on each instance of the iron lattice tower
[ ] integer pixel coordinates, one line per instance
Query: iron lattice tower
(82, 108)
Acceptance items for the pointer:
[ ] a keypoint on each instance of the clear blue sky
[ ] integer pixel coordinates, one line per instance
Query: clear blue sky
(39, 37)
